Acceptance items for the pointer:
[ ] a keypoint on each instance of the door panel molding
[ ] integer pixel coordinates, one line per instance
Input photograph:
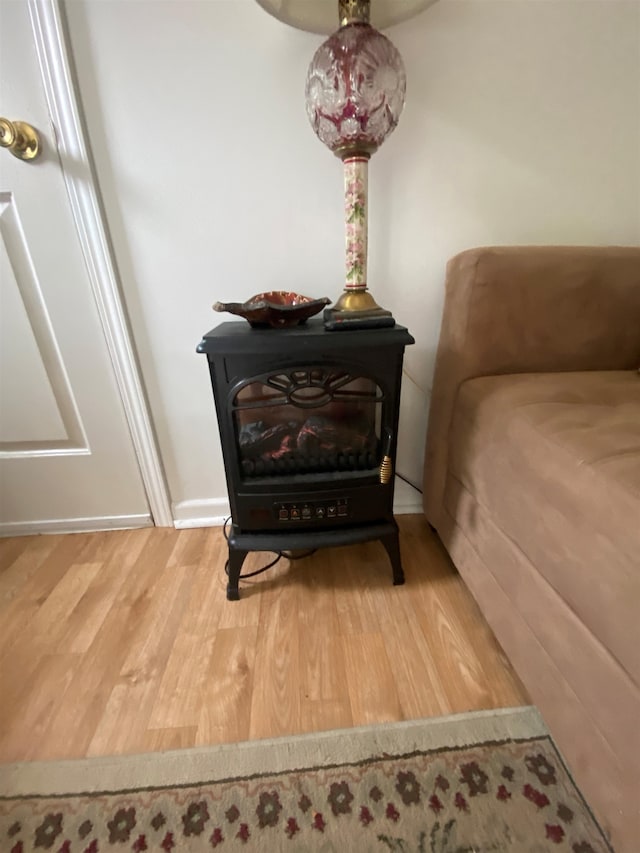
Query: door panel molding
(60, 392)
(81, 186)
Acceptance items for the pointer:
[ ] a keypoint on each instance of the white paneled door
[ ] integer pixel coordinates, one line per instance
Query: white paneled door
(67, 459)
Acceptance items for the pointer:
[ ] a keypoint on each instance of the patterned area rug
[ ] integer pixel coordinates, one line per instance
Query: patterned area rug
(472, 783)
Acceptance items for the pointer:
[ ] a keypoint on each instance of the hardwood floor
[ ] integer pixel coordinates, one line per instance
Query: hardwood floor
(124, 642)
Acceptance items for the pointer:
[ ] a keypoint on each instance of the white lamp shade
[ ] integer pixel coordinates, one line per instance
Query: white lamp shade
(321, 16)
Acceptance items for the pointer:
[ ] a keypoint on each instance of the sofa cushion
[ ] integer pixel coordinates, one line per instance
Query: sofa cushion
(555, 459)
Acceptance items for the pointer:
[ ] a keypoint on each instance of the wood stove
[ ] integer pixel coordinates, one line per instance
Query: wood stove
(308, 422)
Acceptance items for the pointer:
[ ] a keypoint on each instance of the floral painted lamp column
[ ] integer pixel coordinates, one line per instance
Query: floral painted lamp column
(354, 95)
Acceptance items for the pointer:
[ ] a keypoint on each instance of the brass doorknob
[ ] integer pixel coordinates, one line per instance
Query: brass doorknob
(20, 138)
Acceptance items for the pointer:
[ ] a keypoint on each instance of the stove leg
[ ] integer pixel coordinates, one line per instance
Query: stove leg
(391, 542)
(236, 559)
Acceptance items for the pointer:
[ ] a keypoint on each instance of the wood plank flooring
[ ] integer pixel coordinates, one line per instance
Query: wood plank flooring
(124, 642)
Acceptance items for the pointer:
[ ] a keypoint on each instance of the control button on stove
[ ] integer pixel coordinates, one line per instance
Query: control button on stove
(332, 511)
(342, 509)
(283, 514)
(295, 513)
(319, 512)
(306, 512)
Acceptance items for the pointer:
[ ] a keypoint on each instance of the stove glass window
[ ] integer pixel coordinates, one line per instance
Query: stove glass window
(308, 421)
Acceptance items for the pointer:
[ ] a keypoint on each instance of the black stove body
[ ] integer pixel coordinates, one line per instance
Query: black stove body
(308, 423)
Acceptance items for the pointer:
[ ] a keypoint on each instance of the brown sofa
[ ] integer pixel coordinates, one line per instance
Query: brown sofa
(532, 480)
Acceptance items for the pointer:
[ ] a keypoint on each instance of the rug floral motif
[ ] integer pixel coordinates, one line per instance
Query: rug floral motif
(510, 796)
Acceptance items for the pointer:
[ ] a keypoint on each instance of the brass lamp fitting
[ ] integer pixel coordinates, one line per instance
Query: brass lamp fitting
(353, 11)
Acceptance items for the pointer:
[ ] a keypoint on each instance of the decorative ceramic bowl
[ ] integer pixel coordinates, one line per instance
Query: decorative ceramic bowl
(277, 308)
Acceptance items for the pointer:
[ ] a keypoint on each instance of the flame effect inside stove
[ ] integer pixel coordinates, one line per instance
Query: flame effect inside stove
(317, 444)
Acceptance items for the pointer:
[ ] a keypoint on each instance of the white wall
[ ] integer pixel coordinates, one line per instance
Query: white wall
(522, 125)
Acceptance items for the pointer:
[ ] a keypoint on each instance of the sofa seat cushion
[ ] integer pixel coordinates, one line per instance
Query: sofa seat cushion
(555, 459)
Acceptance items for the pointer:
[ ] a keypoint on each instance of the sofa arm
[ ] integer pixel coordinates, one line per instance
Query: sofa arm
(522, 309)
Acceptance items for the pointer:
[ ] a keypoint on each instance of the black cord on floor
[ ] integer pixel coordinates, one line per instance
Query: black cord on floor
(279, 556)
(257, 571)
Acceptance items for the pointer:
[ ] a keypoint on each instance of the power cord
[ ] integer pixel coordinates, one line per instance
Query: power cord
(279, 555)
(408, 482)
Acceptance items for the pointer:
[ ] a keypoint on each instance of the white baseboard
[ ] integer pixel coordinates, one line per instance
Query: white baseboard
(75, 525)
(212, 512)
(186, 514)
(407, 500)
(204, 513)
